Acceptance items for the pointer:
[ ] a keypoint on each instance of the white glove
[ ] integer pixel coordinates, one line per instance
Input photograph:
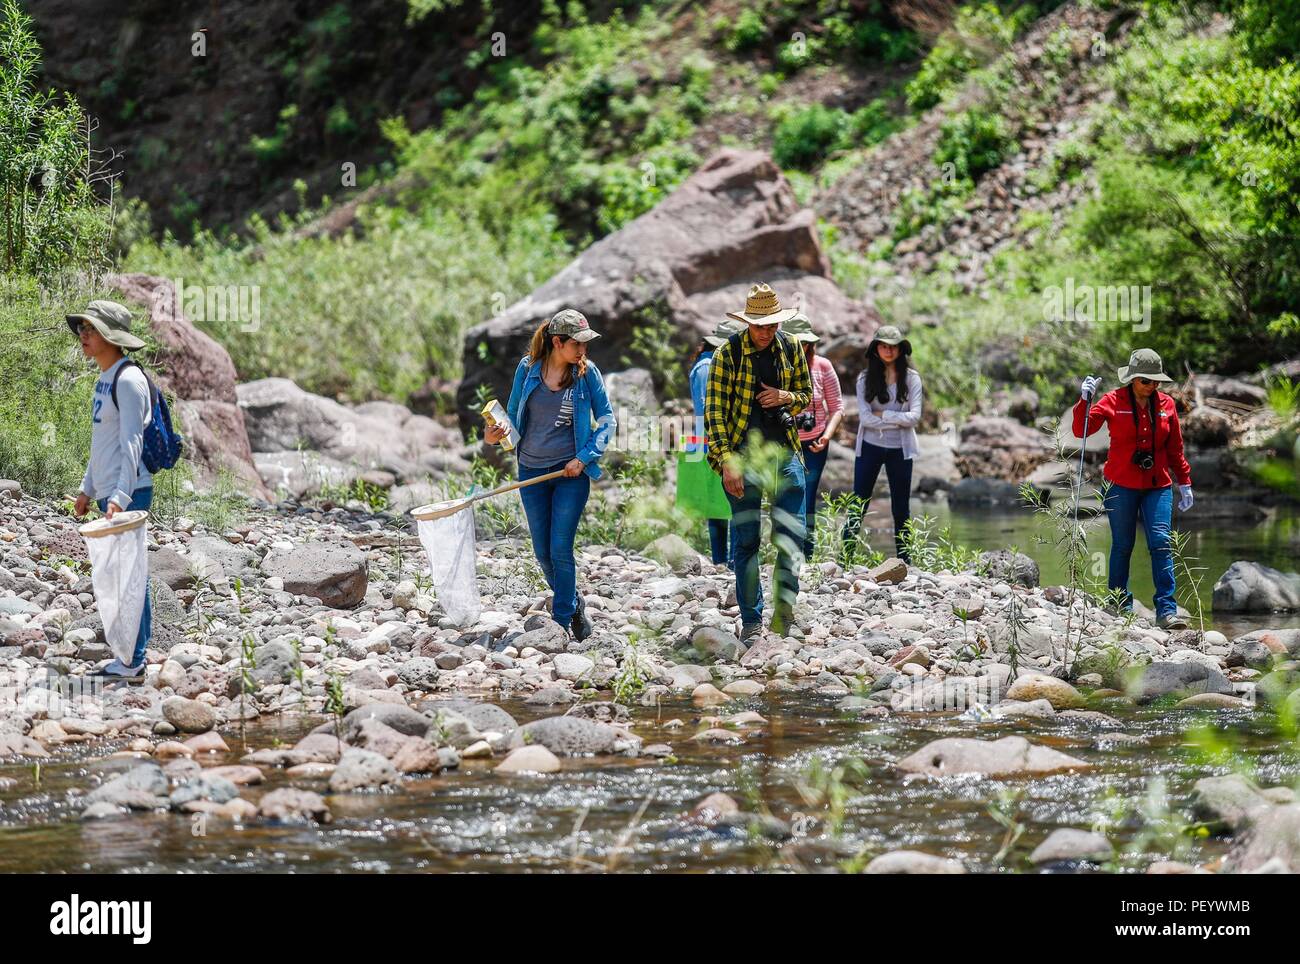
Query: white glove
(1184, 498)
(1089, 387)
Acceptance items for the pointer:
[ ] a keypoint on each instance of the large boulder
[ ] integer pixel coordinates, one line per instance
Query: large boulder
(1178, 679)
(1250, 587)
(997, 447)
(567, 736)
(199, 373)
(1009, 756)
(685, 263)
(334, 573)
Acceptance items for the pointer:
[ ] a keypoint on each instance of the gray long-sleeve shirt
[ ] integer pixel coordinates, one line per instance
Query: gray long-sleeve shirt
(115, 469)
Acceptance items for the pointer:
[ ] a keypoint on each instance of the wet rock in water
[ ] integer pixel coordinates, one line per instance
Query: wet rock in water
(401, 718)
(381, 738)
(189, 716)
(103, 810)
(1067, 843)
(420, 756)
(1009, 756)
(334, 573)
(913, 862)
(706, 694)
(451, 728)
(719, 736)
(1228, 802)
(1273, 839)
(143, 787)
(485, 717)
(529, 759)
(744, 687)
(1252, 653)
(601, 712)
(17, 745)
(552, 696)
(1025, 709)
(1251, 587)
(718, 643)
(317, 747)
(361, 769)
(1281, 643)
(572, 667)
(713, 808)
(1006, 566)
(567, 736)
(1212, 701)
(291, 805)
(1037, 686)
(1276, 688)
(1182, 679)
(206, 787)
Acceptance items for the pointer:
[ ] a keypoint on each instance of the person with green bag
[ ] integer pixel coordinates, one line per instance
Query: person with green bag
(696, 480)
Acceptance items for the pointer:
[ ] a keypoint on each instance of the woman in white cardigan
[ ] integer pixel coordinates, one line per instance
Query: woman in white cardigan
(887, 420)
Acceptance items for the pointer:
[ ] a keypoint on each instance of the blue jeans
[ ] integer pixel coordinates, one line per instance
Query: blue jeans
(721, 548)
(140, 499)
(866, 470)
(787, 534)
(554, 509)
(1155, 507)
(813, 465)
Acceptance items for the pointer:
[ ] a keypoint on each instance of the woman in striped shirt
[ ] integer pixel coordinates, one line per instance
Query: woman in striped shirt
(825, 411)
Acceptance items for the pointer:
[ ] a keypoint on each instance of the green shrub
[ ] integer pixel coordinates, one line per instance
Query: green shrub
(979, 33)
(806, 136)
(973, 142)
(747, 32)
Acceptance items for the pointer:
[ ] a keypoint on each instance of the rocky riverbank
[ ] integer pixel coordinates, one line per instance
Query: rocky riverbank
(327, 615)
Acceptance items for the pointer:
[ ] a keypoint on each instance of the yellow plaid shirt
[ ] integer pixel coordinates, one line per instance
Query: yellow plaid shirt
(729, 394)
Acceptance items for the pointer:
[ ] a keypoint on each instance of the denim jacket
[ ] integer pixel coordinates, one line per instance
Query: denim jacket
(593, 417)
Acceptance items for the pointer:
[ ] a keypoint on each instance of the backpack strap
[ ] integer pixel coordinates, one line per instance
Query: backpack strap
(127, 362)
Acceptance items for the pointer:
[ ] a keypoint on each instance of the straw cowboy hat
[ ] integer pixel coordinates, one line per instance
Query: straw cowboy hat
(1143, 363)
(718, 337)
(763, 307)
(889, 335)
(800, 328)
(111, 320)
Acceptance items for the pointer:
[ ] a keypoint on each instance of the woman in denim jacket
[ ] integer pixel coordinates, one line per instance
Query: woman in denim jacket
(559, 406)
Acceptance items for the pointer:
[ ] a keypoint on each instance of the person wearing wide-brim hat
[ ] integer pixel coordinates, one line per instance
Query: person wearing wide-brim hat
(819, 421)
(758, 382)
(116, 477)
(559, 406)
(1146, 445)
(719, 529)
(889, 393)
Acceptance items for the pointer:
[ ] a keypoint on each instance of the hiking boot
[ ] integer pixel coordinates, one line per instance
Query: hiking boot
(580, 625)
(781, 620)
(1172, 621)
(750, 631)
(120, 670)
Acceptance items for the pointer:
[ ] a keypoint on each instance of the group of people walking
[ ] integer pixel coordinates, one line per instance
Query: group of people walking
(767, 407)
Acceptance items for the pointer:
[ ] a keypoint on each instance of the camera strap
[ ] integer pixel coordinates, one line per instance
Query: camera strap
(1137, 424)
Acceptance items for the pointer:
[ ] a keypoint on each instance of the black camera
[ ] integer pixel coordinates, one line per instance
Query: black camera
(805, 421)
(1144, 459)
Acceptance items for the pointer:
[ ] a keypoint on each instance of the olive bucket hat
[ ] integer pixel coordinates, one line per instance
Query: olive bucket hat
(763, 307)
(111, 320)
(889, 335)
(800, 329)
(718, 337)
(571, 322)
(1143, 363)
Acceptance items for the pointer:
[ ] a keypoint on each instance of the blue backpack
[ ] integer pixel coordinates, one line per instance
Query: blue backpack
(161, 445)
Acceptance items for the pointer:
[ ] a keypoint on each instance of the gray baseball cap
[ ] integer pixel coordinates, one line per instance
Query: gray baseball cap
(571, 322)
(800, 328)
(718, 337)
(111, 320)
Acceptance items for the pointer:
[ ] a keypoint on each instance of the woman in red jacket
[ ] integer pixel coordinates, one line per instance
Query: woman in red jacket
(1138, 467)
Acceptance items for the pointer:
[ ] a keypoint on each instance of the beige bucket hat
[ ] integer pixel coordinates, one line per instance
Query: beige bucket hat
(111, 320)
(1143, 363)
(763, 307)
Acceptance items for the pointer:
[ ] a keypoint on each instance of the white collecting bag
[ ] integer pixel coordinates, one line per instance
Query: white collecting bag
(119, 571)
(449, 543)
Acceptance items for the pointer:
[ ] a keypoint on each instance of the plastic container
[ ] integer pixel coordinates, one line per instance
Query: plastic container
(495, 414)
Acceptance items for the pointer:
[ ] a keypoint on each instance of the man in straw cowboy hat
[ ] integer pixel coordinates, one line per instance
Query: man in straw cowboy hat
(116, 477)
(758, 382)
(1146, 444)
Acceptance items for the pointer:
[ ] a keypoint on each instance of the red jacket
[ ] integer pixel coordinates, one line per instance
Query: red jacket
(1116, 411)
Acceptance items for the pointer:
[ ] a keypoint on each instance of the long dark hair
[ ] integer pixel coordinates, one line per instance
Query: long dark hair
(539, 349)
(876, 387)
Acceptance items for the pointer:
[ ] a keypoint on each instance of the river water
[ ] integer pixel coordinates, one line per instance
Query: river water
(622, 814)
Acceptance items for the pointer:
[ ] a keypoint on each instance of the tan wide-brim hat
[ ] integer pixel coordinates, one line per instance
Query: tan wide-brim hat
(111, 320)
(763, 307)
(1143, 363)
(800, 328)
(719, 336)
(889, 335)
